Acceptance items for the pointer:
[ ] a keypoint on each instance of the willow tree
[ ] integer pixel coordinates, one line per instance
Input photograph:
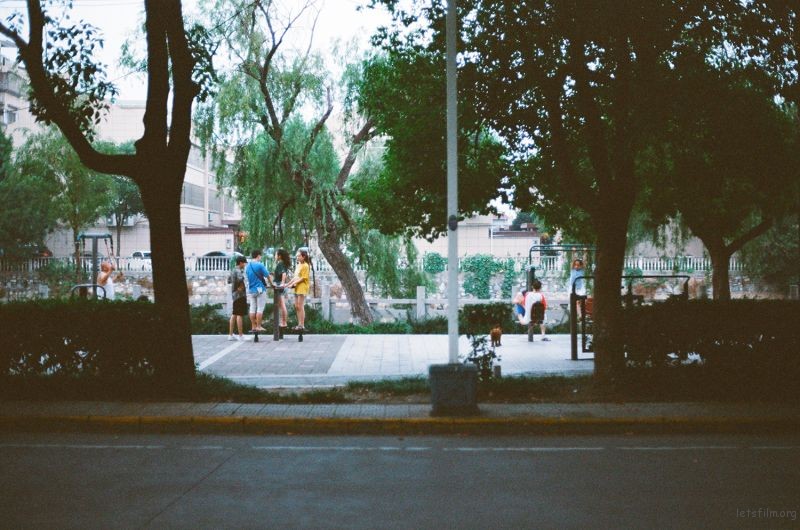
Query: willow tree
(69, 89)
(730, 163)
(270, 117)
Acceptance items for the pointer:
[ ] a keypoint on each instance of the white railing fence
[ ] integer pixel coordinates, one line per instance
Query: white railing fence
(557, 263)
(222, 264)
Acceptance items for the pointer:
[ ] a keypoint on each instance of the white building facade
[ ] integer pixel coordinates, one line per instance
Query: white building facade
(210, 215)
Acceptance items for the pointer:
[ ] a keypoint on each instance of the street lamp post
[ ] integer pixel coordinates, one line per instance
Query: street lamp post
(453, 385)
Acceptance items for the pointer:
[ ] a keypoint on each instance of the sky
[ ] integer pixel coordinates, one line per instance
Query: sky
(118, 20)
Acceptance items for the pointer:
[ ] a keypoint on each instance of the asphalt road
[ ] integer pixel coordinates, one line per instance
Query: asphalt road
(172, 481)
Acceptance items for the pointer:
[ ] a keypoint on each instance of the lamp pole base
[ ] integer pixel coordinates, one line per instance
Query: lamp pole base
(454, 389)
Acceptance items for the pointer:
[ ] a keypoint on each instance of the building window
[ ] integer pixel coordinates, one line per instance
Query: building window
(9, 114)
(229, 206)
(196, 158)
(193, 195)
(214, 203)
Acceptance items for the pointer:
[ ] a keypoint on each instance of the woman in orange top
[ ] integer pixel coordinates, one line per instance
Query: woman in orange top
(301, 285)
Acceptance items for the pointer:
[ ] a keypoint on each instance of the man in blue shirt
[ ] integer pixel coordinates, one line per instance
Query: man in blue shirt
(257, 275)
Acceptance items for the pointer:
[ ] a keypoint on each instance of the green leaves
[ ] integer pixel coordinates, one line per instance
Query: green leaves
(77, 196)
(79, 82)
(478, 270)
(403, 92)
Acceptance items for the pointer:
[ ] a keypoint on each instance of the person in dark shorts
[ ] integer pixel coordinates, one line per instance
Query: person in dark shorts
(239, 295)
(283, 269)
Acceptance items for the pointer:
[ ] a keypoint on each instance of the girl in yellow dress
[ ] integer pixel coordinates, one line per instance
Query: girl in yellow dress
(301, 285)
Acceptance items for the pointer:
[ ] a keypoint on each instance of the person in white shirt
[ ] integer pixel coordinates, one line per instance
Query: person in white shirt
(533, 314)
(105, 279)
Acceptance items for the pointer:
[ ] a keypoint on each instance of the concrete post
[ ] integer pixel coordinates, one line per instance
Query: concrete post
(421, 312)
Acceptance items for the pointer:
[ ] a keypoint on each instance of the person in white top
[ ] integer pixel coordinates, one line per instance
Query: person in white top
(532, 298)
(106, 280)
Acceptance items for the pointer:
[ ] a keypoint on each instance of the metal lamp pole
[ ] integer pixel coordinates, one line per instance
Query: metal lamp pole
(453, 385)
(452, 186)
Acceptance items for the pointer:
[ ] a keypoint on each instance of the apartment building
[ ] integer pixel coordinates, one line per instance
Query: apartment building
(210, 215)
(486, 234)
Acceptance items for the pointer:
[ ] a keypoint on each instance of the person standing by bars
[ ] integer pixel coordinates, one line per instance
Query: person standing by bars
(301, 285)
(283, 267)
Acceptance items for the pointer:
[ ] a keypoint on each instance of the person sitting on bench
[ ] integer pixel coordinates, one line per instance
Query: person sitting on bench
(535, 305)
(519, 303)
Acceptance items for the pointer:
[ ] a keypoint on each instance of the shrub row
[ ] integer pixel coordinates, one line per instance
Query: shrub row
(757, 335)
(473, 319)
(109, 340)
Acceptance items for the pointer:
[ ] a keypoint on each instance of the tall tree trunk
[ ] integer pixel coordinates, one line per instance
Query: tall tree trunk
(330, 245)
(720, 261)
(76, 254)
(169, 278)
(607, 313)
(119, 238)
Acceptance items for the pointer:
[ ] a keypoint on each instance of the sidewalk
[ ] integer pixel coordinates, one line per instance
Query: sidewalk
(328, 360)
(543, 418)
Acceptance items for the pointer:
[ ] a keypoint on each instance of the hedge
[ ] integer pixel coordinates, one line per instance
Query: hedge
(761, 335)
(109, 340)
(479, 319)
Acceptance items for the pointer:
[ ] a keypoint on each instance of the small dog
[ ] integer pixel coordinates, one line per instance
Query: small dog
(495, 335)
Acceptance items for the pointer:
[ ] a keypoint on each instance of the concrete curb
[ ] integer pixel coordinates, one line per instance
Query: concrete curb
(396, 426)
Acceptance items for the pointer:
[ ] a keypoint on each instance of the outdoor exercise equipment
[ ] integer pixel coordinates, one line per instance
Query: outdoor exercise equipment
(83, 288)
(544, 257)
(582, 323)
(277, 331)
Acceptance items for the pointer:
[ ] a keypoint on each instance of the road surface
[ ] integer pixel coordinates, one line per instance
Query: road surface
(184, 481)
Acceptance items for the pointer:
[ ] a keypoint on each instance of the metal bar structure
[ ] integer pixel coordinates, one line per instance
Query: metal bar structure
(95, 262)
(628, 299)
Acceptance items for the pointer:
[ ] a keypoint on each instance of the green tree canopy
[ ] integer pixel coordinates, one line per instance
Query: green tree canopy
(26, 203)
(79, 196)
(575, 91)
(403, 92)
(730, 160)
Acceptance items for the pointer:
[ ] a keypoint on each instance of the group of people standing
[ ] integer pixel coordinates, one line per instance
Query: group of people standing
(250, 281)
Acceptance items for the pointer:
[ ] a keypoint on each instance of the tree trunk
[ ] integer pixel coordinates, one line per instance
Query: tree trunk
(119, 238)
(330, 245)
(608, 352)
(76, 254)
(169, 278)
(720, 261)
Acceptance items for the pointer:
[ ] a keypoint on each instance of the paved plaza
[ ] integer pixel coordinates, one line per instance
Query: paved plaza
(327, 360)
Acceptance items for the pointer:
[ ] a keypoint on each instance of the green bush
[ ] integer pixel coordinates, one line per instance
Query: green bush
(60, 276)
(208, 320)
(474, 319)
(428, 326)
(478, 271)
(478, 319)
(108, 340)
(482, 356)
(325, 327)
(433, 263)
(739, 339)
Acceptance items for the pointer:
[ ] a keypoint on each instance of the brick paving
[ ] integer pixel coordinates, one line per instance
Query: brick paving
(328, 360)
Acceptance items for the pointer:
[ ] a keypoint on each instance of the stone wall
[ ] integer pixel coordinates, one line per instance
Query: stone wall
(213, 287)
